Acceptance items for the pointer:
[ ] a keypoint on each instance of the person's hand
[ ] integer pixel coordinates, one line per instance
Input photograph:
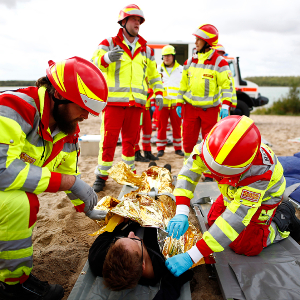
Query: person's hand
(85, 193)
(177, 226)
(178, 110)
(152, 108)
(178, 264)
(224, 111)
(159, 102)
(96, 214)
(115, 54)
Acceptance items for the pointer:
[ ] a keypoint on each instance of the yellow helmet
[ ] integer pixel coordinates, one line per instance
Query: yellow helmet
(166, 50)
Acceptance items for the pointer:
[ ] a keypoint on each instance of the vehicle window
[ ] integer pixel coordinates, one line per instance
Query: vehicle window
(231, 66)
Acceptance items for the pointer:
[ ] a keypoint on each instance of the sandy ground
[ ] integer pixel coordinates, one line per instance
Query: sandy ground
(61, 240)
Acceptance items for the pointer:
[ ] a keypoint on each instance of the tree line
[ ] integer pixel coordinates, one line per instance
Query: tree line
(17, 82)
(275, 80)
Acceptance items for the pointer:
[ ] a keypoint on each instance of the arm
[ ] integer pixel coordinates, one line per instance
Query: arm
(224, 81)
(183, 87)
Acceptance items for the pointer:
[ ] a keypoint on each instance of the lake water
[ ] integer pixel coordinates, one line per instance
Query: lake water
(271, 92)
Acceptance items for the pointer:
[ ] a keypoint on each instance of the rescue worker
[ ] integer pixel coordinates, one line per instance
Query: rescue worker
(205, 86)
(171, 72)
(39, 153)
(221, 51)
(126, 61)
(251, 182)
(146, 126)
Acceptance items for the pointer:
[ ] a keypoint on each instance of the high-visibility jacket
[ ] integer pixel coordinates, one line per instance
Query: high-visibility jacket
(171, 83)
(262, 185)
(205, 81)
(30, 159)
(126, 77)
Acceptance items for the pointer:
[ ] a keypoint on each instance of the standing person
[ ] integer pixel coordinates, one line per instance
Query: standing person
(248, 215)
(146, 126)
(126, 61)
(171, 72)
(39, 153)
(204, 86)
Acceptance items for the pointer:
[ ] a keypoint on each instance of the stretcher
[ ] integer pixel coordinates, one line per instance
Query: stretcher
(273, 274)
(89, 287)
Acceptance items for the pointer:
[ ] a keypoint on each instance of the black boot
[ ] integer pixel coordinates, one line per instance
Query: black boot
(286, 219)
(150, 156)
(31, 289)
(168, 167)
(179, 152)
(160, 153)
(99, 184)
(151, 164)
(140, 157)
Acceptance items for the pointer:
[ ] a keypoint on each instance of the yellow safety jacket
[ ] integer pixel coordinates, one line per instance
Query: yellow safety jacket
(205, 81)
(262, 184)
(126, 78)
(30, 159)
(171, 83)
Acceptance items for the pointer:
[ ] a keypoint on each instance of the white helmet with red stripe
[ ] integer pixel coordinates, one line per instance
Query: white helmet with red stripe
(129, 11)
(231, 146)
(220, 48)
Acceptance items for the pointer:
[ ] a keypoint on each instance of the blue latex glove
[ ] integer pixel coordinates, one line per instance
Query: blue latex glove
(178, 226)
(178, 110)
(224, 113)
(178, 264)
(152, 108)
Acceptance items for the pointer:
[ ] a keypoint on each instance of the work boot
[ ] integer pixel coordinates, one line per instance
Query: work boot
(99, 184)
(140, 157)
(179, 152)
(152, 163)
(150, 156)
(168, 167)
(286, 219)
(160, 153)
(31, 289)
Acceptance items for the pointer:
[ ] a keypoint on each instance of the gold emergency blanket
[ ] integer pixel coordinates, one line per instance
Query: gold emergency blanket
(145, 210)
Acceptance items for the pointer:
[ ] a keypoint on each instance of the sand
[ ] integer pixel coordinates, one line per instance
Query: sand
(60, 238)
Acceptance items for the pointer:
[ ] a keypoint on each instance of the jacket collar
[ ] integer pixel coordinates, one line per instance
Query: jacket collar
(141, 41)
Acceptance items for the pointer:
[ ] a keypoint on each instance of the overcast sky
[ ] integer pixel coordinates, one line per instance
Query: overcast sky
(265, 34)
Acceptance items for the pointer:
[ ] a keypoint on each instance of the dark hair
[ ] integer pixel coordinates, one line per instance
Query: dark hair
(122, 269)
(44, 81)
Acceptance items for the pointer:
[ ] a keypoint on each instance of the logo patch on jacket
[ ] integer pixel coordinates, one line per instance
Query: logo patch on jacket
(208, 76)
(26, 158)
(250, 196)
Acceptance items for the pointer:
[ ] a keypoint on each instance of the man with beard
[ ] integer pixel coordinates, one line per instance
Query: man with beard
(39, 153)
(126, 61)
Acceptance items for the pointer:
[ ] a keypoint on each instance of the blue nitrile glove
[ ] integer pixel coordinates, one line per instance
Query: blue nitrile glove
(178, 226)
(179, 263)
(96, 214)
(178, 110)
(152, 108)
(224, 111)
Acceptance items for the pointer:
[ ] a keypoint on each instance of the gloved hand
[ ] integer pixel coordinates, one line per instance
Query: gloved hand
(152, 108)
(85, 193)
(224, 111)
(159, 102)
(179, 263)
(96, 214)
(177, 226)
(115, 54)
(178, 110)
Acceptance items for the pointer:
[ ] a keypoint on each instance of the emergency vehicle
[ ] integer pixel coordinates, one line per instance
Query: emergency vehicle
(248, 95)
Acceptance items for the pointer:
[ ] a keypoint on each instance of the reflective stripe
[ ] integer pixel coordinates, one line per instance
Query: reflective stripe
(219, 235)
(118, 99)
(154, 80)
(23, 96)
(16, 244)
(3, 155)
(185, 184)
(143, 92)
(105, 167)
(33, 178)
(206, 93)
(234, 220)
(69, 147)
(210, 240)
(8, 175)
(147, 135)
(119, 89)
(13, 264)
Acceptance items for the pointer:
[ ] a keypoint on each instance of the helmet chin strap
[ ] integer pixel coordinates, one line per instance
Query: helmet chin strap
(126, 28)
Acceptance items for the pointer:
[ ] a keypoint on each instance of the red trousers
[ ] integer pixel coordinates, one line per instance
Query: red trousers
(163, 117)
(147, 131)
(195, 118)
(253, 238)
(116, 119)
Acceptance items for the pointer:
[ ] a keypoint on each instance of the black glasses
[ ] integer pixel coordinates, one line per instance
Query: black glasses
(135, 239)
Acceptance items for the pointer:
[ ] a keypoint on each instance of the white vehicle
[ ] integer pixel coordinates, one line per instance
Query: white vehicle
(248, 95)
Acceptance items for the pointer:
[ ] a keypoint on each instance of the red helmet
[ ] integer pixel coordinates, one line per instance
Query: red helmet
(231, 146)
(79, 81)
(129, 11)
(220, 47)
(208, 33)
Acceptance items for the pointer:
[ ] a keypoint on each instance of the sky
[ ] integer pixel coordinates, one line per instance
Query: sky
(265, 34)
